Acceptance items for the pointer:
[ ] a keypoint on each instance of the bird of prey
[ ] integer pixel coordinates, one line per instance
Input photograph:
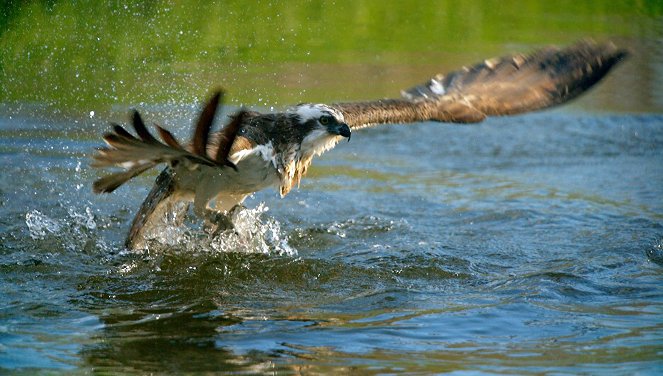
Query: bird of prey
(218, 170)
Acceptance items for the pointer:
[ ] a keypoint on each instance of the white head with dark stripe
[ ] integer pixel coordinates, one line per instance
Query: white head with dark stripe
(323, 125)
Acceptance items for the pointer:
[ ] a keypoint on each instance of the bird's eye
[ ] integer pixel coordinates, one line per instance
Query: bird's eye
(324, 120)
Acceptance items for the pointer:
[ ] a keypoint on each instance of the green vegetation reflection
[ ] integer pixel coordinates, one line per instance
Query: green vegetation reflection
(91, 55)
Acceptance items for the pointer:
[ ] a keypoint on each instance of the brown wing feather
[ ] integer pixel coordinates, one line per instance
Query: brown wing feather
(204, 124)
(121, 131)
(227, 137)
(518, 83)
(141, 130)
(168, 137)
(137, 155)
(159, 199)
(111, 182)
(503, 86)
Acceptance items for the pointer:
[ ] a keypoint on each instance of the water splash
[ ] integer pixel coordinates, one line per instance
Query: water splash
(83, 220)
(77, 230)
(41, 225)
(252, 233)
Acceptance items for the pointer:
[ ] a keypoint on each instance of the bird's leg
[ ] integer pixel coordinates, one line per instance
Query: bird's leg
(215, 221)
(222, 215)
(223, 221)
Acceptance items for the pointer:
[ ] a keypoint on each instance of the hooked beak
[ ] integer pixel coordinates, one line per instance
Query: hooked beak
(341, 129)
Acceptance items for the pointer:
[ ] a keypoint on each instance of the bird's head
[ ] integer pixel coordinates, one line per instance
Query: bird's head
(321, 127)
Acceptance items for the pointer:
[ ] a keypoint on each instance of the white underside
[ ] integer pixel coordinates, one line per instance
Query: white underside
(225, 186)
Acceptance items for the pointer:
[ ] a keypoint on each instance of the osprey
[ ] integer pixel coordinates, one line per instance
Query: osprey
(254, 151)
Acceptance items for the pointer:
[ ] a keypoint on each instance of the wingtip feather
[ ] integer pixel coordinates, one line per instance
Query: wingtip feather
(204, 124)
(109, 183)
(141, 129)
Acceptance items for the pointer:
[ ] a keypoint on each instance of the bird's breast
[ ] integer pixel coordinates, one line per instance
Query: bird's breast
(253, 174)
(256, 170)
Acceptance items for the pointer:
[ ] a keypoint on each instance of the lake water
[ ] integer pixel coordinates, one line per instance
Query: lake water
(529, 244)
(524, 244)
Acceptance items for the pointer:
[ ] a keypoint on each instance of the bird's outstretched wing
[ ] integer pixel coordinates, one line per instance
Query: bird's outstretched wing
(138, 154)
(502, 86)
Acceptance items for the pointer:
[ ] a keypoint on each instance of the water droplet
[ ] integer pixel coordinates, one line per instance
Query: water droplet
(39, 224)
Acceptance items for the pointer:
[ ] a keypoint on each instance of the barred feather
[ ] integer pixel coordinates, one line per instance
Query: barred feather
(503, 86)
(138, 154)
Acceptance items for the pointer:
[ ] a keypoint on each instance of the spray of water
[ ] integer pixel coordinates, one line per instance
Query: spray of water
(251, 233)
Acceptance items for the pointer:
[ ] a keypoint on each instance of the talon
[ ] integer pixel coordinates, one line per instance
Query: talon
(219, 222)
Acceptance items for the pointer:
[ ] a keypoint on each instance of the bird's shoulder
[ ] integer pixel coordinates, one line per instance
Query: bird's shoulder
(276, 129)
(258, 130)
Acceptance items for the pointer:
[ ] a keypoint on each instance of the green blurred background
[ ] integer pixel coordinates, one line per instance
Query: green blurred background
(72, 57)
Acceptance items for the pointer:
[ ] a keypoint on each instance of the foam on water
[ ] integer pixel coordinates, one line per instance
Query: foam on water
(40, 224)
(75, 230)
(252, 233)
